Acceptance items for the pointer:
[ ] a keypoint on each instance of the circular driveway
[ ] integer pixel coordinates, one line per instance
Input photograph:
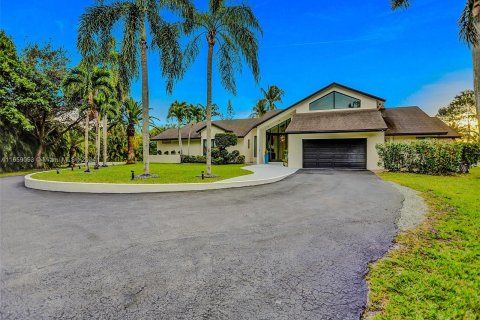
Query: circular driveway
(296, 249)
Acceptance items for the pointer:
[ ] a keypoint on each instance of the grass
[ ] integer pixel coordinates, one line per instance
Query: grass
(15, 173)
(434, 271)
(168, 173)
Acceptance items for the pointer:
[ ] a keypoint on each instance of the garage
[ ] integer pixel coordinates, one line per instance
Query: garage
(335, 153)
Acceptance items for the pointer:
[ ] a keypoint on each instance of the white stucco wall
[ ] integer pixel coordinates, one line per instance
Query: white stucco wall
(295, 146)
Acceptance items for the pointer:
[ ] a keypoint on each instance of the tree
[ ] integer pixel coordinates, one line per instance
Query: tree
(230, 111)
(469, 25)
(225, 140)
(73, 139)
(260, 108)
(98, 22)
(133, 115)
(87, 82)
(233, 29)
(178, 110)
(107, 109)
(460, 114)
(272, 95)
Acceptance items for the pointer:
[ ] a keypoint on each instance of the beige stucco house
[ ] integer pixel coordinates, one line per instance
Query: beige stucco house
(335, 127)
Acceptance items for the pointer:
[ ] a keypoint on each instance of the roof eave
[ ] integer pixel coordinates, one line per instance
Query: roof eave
(336, 131)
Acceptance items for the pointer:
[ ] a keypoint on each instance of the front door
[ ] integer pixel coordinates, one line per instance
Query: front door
(277, 141)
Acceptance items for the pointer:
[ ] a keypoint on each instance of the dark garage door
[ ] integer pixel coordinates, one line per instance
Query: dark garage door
(335, 153)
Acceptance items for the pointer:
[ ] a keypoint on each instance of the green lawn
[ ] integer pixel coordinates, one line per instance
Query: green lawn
(434, 273)
(15, 173)
(168, 173)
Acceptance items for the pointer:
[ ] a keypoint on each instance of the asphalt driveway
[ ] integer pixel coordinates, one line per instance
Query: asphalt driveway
(297, 249)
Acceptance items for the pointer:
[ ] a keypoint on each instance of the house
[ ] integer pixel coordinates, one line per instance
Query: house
(335, 127)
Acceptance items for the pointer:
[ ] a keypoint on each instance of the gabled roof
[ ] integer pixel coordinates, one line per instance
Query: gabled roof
(337, 121)
(241, 127)
(450, 132)
(404, 121)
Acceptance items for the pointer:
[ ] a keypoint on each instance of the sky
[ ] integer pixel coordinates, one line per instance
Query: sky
(409, 57)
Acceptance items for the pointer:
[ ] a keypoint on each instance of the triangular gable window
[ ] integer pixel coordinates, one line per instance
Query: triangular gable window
(335, 100)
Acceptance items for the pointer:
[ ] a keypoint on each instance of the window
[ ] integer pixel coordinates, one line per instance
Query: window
(205, 146)
(255, 146)
(335, 100)
(248, 143)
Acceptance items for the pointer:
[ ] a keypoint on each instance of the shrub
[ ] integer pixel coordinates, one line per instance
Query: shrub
(218, 160)
(240, 160)
(200, 159)
(428, 157)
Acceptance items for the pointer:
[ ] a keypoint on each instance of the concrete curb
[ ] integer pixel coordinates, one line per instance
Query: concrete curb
(142, 188)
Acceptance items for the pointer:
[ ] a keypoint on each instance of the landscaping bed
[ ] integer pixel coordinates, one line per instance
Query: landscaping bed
(433, 272)
(167, 173)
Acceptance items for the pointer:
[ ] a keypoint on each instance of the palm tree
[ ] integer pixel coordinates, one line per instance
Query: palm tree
(108, 108)
(73, 139)
(233, 29)
(193, 114)
(260, 108)
(88, 81)
(178, 110)
(133, 114)
(469, 24)
(99, 21)
(271, 95)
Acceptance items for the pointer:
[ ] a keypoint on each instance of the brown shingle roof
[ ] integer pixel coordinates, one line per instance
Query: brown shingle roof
(412, 121)
(337, 121)
(450, 132)
(240, 127)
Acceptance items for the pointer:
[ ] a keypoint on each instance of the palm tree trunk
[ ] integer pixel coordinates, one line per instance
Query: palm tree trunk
(180, 138)
(87, 121)
(97, 140)
(209, 107)
(130, 137)
(104, 127)
(145, 131)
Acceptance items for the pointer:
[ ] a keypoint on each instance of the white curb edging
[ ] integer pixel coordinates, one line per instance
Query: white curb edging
(142, 188)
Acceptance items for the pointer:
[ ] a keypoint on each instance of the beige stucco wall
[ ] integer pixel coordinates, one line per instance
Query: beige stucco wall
(170, 145)
(366, 102)
(295, 145)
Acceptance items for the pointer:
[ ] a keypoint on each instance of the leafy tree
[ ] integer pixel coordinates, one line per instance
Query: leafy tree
(233, 29)
(460, 114)
(87, 82)
(230, 111)
(469, 25)
(260, 108)
(139, 17)
(178, 111)
(272, 95)
(225, 140)
(133, 115)
(73, 139)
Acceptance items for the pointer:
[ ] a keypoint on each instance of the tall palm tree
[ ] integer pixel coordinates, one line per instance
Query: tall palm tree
(138, 18)
(108, 108)
(193, 114)
(469, 24)
(260, 108)
(178, 111)
(88, 82)
(233, 29)
(133, 114)
(272, 95)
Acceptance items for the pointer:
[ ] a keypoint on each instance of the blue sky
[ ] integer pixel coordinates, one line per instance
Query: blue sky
(410, 57)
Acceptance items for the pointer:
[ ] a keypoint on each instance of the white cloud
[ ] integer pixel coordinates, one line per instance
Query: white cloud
(441, 92)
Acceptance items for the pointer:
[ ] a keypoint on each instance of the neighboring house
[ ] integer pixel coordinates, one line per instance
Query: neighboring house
(336, 126)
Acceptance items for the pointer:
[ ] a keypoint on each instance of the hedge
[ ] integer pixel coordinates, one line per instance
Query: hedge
(428, 156)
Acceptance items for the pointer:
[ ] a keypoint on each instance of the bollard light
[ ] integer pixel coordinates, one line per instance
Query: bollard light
(78, 167)
(73, 167)
(133, 174)
(58, 172)
(203, 175)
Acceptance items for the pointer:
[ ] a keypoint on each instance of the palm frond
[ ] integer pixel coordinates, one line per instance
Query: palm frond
(468, 21)
(396, 4)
